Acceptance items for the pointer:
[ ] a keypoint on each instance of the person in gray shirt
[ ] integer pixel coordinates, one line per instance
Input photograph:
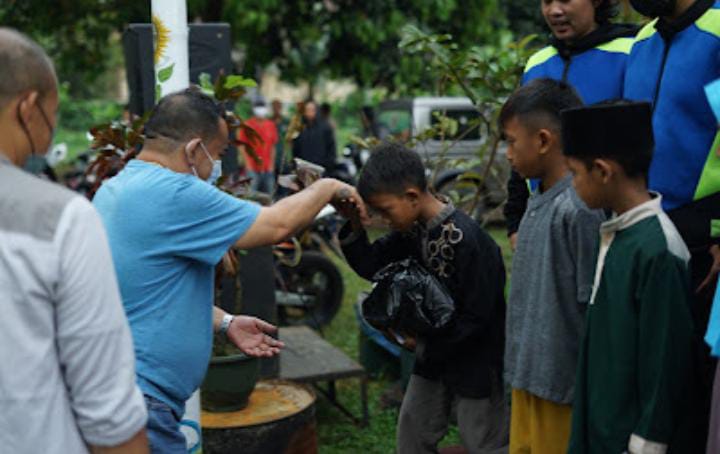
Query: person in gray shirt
(551, 274)
(67, 382)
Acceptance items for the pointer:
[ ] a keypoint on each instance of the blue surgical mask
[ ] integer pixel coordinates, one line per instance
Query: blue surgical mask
(216, 172)
(217, 167)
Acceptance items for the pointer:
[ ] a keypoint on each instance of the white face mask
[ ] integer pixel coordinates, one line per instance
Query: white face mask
(260, 111)
(216, 172)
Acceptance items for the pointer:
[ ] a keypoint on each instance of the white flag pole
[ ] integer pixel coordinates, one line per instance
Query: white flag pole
(172, 73)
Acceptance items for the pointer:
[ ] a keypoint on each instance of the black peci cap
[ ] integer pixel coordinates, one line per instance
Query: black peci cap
(610, 129)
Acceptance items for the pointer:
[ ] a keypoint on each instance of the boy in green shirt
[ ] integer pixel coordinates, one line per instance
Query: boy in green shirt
(635, 372)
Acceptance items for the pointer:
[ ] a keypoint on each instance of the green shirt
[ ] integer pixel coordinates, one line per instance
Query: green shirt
(635, 363)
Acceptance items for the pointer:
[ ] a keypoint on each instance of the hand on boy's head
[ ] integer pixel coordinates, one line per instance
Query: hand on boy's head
(349, 204)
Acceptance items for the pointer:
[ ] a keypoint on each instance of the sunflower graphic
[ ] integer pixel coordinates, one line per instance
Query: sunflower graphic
(162, 38)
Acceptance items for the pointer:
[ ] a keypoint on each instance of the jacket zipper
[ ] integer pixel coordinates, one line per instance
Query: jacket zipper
(566, 69)
(662, 73)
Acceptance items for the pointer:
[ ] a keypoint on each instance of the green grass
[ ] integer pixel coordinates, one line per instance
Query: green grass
(336, 433)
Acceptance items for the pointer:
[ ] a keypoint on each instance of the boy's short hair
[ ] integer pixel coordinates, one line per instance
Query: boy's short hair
(391, 169)
(539, 103)
(619, 130)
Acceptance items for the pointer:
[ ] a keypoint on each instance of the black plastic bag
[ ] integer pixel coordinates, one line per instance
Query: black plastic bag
(409, 299)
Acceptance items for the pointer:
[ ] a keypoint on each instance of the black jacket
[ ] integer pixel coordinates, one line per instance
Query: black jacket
(316, 143)
(467, 355)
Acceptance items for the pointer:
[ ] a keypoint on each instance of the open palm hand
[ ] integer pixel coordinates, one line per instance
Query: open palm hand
(251, 336)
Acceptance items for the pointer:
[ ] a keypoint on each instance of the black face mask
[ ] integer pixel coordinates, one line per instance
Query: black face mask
(654, 8)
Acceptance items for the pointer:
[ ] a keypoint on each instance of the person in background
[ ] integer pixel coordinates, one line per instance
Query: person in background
(326, 114)
(260, 164)
(67, 384)
(587, 51)
(672, 60)
(168, 227)
(636, 374)
(316, 141)
(552, 270)
(281, 125)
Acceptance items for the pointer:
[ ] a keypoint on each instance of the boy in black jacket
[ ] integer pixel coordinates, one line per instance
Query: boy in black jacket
(463, 364)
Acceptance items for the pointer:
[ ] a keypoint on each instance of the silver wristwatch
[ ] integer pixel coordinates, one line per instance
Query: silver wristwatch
(225, 323)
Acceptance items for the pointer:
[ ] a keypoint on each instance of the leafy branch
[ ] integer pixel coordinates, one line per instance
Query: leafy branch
(487, 75)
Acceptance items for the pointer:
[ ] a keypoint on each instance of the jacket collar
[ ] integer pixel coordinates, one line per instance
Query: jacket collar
(441, 217)
(603, 34)
(652, 207)
(668, 29)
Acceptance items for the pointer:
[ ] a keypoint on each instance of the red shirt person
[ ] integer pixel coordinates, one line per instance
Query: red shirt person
(263, 145)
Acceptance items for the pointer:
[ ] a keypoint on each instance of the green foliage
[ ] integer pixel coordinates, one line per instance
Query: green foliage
(80, 35)
(334, 38)
(487, 75)
(81, 114)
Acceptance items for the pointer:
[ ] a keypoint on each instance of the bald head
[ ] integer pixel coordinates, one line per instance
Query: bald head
(26, 67)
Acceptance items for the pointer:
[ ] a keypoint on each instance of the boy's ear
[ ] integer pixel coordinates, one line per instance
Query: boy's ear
(605, 169)
(412, 194)
(546, 140)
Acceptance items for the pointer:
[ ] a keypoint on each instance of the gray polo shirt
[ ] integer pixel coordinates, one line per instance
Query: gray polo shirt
(67, 374)
(551, 284)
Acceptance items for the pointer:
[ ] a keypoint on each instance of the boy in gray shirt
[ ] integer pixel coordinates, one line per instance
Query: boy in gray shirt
(551, 274)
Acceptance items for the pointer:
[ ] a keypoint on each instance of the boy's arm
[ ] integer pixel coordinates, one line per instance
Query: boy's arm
(583, 236)
(665, 352)
(518, 194)
(365, 258)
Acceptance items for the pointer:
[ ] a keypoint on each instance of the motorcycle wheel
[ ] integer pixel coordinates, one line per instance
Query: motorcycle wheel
(317, 278)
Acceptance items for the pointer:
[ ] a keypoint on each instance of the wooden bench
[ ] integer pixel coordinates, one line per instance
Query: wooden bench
(308, 358)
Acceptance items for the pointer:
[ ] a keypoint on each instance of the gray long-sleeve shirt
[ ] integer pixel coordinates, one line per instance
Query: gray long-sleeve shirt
(550, 286)
(67, 377)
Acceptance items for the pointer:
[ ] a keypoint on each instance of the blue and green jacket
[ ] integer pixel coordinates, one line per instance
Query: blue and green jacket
(595, 65)
(669, 65)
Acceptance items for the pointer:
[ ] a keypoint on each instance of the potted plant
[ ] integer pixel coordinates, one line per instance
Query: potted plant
(232, 375)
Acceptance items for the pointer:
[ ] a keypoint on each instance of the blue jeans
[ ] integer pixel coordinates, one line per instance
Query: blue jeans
(163, 429)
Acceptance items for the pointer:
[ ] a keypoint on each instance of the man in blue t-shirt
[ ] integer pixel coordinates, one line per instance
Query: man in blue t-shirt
(168, 227)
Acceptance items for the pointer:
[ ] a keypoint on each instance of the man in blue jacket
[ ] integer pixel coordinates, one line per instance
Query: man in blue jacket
(586, 51)
(672, 60)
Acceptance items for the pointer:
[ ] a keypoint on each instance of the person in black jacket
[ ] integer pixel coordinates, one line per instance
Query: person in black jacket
(316, 142)
(463, 363)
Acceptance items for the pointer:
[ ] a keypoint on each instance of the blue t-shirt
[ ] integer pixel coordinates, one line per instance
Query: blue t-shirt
(167, 231)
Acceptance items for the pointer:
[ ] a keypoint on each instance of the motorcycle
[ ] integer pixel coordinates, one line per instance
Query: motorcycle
(309, 287)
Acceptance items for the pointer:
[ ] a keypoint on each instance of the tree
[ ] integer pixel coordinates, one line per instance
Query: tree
(352, 39)
(306, 39)
(75, 33)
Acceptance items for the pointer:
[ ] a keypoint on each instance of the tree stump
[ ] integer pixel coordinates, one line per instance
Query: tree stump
(279, 419)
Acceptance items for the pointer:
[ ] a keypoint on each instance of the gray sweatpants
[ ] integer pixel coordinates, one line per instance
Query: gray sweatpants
(425, 414)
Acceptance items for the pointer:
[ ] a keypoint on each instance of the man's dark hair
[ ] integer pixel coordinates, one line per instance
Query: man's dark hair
(605, 11)
(391, 169)
(184, 115)
(26, 66)
(539, 103)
